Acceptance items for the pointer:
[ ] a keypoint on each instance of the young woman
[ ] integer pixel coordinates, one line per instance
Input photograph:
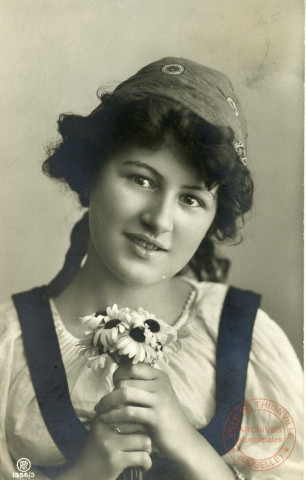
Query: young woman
(161, 167)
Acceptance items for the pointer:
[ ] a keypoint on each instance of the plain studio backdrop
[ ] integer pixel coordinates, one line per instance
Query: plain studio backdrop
(54, 57)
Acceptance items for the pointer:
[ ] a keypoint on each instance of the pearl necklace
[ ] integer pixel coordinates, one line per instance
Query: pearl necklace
(186, 309)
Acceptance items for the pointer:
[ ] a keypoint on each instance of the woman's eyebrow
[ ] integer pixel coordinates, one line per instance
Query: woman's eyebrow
(143, 165)
(199, 188)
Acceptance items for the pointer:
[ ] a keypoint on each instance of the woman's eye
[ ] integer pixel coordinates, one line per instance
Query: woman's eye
(143, 181)
(191, 201)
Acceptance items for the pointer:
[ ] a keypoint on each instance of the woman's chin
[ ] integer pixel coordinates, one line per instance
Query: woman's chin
(142, 280)
(140, 276)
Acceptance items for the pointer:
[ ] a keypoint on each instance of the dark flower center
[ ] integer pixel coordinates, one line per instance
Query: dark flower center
(137, 334)
(112, 323)
(153, 325)
(100, 312)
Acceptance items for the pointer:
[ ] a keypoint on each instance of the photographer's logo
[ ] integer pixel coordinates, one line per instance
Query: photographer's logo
(23, 466)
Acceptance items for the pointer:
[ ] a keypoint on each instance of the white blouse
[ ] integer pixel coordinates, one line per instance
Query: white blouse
(274, 373)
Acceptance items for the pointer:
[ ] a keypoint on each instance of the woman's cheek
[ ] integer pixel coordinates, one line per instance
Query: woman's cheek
(193, 230)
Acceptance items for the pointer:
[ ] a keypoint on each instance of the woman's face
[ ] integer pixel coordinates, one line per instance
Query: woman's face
(149, 211)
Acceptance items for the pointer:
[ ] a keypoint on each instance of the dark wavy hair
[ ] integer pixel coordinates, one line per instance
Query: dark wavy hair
(151, 122)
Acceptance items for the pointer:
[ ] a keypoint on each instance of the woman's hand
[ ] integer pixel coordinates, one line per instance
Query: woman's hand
(144, 395)
(107, 453)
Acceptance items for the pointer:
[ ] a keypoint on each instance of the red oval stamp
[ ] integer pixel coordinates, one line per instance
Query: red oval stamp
(266, 437)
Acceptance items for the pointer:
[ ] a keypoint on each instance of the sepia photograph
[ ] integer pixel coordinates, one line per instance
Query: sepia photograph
(151, 300)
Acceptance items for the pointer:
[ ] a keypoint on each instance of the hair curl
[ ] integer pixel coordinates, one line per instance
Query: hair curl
(151, 122)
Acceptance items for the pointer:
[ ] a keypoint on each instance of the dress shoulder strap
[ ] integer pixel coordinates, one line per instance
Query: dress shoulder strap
(48, 372)
(233, 349)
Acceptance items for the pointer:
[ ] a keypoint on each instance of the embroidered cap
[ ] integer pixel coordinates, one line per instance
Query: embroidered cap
(203, 90)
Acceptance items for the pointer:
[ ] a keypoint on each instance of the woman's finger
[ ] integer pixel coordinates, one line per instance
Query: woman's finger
(128, 414)
(139, 371)
(136, 459)
(122, 396)
(126, 428)
(147, 385)
(134, 443)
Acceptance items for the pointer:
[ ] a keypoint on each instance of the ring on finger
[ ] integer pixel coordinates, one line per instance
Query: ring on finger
(115, 428)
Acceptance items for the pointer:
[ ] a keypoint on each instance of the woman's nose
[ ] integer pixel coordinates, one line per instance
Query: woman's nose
(158, 216)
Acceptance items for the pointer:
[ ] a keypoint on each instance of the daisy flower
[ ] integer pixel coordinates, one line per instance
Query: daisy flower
(114, 323)
(124, 334)
(157, 331)
(133, 345)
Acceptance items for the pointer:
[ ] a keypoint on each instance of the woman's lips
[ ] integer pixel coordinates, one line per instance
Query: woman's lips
(144, 247)
(145, 240)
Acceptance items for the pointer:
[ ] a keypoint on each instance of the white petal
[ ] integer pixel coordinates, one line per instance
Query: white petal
(102, 360)
(87, 318)
(126, 350)
(131, 354)
(138, 322)
(109, 311)
(137, 356)
(96, 337)
(131, 349)
(123, 341)
(142, 354)
(114, 334)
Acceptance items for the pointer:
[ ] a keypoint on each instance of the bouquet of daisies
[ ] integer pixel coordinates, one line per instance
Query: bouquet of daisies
(125, 335)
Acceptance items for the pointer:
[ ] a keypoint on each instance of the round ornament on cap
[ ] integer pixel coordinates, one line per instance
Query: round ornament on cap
(173, 69)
